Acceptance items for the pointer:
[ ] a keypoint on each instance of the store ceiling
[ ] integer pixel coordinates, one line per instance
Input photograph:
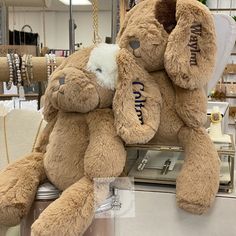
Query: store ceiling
(56, 5)
(104, 5)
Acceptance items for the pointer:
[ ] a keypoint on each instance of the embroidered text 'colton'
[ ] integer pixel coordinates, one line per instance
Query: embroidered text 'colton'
(139, 102)
(196, 30)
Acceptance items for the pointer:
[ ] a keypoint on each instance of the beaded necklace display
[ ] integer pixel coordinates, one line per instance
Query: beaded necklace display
(21, 69)
(51, 63)
(18, 71)
(48, 65)
(30, 67)
(14, 69)
(10, 66)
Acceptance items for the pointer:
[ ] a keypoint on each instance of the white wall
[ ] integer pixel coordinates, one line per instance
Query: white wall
(221, 3)
(57, 30)
(57, 33)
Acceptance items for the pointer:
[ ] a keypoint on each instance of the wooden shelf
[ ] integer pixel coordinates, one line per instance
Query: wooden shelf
(31, 96)
(222, 9)
(230, 96)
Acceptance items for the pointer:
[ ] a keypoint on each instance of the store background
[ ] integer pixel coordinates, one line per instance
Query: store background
(164, 206)
(57, 22)
(56, 18)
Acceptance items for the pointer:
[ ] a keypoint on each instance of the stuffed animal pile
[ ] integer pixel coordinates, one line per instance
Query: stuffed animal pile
(78, 144)
(175, 42)
(151, 87)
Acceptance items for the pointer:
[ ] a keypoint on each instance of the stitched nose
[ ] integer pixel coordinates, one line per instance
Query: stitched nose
(134, 44)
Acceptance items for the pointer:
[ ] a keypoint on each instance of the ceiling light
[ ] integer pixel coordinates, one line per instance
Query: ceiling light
(76, 2)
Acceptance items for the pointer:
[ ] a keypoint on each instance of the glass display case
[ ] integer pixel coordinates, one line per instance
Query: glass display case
(160, 164)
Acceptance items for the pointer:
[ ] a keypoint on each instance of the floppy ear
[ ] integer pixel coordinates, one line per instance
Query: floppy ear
(126, 20)
(136, 103)
(191, 49)
(123, 26)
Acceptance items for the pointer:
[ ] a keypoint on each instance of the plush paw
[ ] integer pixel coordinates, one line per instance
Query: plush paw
(196, 188)
(70, 215)
(198, 181)
(18, 185)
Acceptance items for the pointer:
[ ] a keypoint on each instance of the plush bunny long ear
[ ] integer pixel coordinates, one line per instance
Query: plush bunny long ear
(126, 20)
(136, 103)
(191, 49)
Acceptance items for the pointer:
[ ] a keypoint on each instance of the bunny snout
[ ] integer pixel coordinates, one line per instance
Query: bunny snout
(74, 94)
(135, 46)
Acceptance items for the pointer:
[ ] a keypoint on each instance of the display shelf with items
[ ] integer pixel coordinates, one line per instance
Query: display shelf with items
(161, 164)
(225, 90)
(229, 80)
(230, 73)
(60, 52)
(26, 79)
(30, 96)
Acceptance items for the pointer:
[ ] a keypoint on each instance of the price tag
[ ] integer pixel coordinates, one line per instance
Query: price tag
(21, 92)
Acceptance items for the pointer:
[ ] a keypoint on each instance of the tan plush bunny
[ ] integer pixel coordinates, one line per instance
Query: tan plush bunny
(174, 41)
(78, 144)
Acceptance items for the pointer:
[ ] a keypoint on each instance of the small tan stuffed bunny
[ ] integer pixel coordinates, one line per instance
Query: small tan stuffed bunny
(79, 143)
(173, 40)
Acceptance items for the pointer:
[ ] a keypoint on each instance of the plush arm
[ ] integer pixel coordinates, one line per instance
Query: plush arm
(137, 101)
(105, 155)
(20, 179)
(43, 139)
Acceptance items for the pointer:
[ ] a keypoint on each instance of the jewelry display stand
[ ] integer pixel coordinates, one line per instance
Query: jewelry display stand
(39, 68)
(19, 130)
(19, 49)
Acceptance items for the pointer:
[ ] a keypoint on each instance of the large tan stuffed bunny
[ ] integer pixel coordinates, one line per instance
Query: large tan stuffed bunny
(173, 40)
(79, 143)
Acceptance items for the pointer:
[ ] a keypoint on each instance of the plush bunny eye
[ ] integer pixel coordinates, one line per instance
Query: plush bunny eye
(99, 70)
(62, 81)
(134, 44)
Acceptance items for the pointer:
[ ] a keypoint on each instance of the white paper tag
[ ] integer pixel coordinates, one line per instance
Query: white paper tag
(21, 92)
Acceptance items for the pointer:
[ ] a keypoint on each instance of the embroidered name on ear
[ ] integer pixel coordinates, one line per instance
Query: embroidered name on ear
(139, 102)
(196, 31)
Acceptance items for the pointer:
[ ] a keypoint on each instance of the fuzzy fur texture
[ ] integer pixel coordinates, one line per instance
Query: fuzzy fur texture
(177, 46)
(78, 144)
(125, 106)
(18, 186)
(102, 62)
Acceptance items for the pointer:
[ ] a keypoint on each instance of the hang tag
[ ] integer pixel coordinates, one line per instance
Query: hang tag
(21, 92)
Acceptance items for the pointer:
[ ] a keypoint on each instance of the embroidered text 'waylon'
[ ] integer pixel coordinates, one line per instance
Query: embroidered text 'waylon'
(196, 31)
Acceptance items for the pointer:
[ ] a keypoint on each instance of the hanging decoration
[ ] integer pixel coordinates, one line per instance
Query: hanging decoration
(96, 37)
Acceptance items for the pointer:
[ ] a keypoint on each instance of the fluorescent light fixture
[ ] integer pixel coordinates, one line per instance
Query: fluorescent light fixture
(76, 2)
